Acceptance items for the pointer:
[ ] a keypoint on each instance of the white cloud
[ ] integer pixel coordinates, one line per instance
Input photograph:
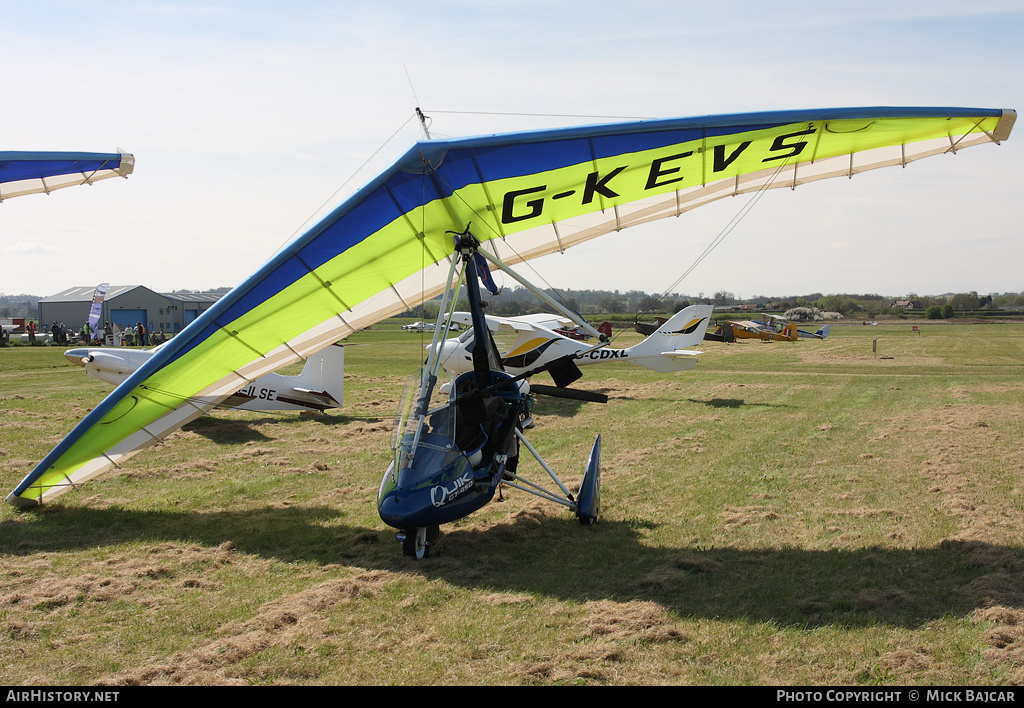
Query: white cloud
(30, 249)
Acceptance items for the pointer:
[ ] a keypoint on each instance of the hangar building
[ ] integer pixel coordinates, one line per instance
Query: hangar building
(125, 305)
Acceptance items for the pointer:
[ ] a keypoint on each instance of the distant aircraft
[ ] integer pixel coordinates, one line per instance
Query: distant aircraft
(771, 328)
(320, 385)
(577, 332)
(819, 334)
(42, 172)
(538, 343)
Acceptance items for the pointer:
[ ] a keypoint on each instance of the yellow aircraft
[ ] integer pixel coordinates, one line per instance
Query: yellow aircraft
(771, 328)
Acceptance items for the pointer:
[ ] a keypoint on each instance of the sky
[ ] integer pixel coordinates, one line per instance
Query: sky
(250, 120)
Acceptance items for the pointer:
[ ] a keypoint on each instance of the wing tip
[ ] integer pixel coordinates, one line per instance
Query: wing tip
(21, 502)
(127, 163)
(1005, 125)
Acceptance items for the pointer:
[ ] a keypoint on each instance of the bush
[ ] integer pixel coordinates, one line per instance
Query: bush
(933, 313)
(803, 314)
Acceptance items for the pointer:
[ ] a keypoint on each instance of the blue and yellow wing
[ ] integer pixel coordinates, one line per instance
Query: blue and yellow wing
(524, 195)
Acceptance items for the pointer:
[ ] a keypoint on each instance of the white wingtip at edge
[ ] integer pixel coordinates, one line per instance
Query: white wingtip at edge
(127, 164)
(21, 502)
(1005, 125)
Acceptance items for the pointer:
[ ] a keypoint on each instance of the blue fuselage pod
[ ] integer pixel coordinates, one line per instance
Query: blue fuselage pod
(437, 486)
(450, 464)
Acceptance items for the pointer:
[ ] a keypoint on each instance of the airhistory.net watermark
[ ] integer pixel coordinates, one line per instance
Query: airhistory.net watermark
(54, 696)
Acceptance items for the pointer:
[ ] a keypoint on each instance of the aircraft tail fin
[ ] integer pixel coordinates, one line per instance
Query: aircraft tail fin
(823, 332)
(662, 351)
(323, 375)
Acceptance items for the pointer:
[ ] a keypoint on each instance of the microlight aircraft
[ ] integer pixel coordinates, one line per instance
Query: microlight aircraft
(42, 172)
(457, 443)
(384, 250)
(318, 387)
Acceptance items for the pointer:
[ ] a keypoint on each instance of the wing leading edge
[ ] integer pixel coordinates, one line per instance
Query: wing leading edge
(525, 194)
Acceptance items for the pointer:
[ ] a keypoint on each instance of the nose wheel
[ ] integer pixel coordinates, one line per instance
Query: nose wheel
(416, 542)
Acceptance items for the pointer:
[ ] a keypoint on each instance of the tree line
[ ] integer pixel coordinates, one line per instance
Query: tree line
(514, 301)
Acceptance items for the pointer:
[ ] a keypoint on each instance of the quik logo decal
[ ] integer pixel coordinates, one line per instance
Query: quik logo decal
(529, 203)
(441, 495)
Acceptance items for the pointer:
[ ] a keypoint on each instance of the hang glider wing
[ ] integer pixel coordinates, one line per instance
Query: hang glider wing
(42, 172)
(383, 250)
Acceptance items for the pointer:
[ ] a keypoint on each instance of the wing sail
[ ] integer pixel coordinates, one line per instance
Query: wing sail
(382, 251)
(42, 172)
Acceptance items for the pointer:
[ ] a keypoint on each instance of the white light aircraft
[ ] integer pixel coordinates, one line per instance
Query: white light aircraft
(537, 344)
(320, 385)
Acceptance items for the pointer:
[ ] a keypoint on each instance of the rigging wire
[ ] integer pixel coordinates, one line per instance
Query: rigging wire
(544, 115)
(343, 185)
(412, 87)
(722, 235)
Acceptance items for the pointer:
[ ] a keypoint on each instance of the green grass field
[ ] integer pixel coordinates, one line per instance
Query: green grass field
(810, 513)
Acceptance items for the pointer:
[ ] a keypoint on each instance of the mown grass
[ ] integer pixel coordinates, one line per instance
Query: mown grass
(808, 513)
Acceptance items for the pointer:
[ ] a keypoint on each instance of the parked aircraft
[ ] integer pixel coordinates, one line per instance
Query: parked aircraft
(320, 385)
(771, 328)
(538, 343)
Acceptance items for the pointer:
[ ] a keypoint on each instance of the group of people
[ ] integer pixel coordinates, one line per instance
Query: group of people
(136, 336)
(130, 336)
(61, 334)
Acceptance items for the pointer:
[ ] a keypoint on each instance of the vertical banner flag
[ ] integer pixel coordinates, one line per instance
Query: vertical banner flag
(97, 305)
